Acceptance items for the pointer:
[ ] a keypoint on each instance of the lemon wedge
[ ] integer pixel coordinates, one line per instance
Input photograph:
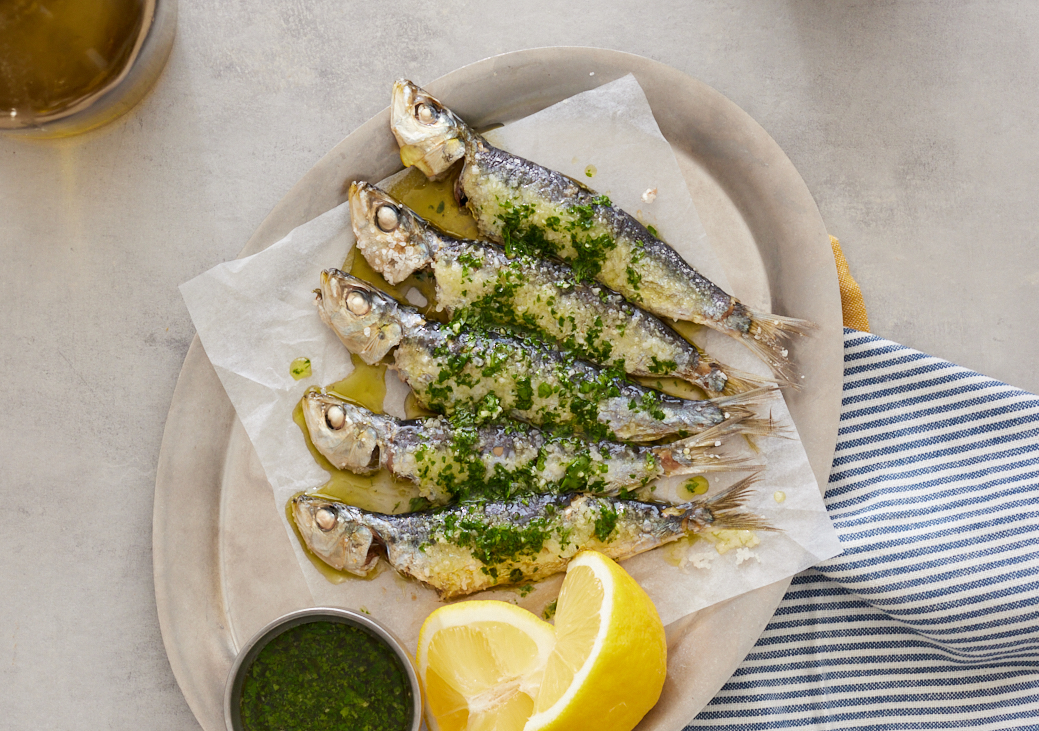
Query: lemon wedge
(491, 666)
(481, 664)
(610, 657)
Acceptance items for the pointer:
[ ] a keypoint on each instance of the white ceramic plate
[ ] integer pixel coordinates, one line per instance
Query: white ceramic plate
(223, 563)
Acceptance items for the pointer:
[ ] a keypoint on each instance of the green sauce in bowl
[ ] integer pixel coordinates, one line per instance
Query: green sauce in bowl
(326, 675)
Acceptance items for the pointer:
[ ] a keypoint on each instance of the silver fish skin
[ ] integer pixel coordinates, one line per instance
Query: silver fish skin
(529, 208)
(459, 462)
(474, 546)
(489, 374)
(476, 279)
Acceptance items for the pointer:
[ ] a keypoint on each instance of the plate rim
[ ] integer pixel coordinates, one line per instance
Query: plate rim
(176, 511)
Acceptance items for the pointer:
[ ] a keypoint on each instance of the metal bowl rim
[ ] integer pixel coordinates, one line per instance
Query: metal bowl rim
(314, 614)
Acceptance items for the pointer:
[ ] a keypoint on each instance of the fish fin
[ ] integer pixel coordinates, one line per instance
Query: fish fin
(745, 424)
(763, 428)
(740, 418)
(714, 434)
(694, 456)
(765, 337)
(742, 381)
(727, 508)
(747, 399)
(717, 379)
(740, 404)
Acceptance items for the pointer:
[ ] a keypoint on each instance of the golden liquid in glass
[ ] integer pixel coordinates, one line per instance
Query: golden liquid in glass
(55, 54)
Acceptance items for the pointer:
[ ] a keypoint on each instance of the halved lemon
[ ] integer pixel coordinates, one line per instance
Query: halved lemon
(481, 664)
(610, 657)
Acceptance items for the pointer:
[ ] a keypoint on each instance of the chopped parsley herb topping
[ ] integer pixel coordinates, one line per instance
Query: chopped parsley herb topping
(570, 235)
(472, 463)
(606, 522)
(509, 538)
(662, 367)
(496, 544)
(418, 503)
(558, 392)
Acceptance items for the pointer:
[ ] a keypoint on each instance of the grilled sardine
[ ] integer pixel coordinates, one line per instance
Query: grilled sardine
(453, 461)
(531, 209)
(491, 374)
(473, 546)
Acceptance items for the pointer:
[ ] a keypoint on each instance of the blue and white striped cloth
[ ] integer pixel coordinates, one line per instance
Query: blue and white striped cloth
(930, 617)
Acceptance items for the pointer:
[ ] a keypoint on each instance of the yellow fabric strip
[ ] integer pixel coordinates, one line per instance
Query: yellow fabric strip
(852, 305)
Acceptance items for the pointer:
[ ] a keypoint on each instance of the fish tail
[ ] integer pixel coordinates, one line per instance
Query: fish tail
(766, 338)
(712, 436)
(741, 381)
(738, 410)
(746, 400)
(763, 428)
(694, 455)
(718, 379)
(727, 508)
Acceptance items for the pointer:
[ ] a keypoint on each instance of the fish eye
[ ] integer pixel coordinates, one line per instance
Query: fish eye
(335, 417)
(426, 113)
(326, 519)
(358, 302)
(387, 218)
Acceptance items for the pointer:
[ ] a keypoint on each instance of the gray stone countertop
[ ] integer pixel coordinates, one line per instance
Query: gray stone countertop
(914, 124)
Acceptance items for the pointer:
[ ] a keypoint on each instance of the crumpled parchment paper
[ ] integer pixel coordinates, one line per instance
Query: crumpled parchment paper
(255, 315)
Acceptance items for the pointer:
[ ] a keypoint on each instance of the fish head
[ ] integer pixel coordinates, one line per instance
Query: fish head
(367, 320)
(430, 136)
(348, 435)
(392, 237)
(336, 534)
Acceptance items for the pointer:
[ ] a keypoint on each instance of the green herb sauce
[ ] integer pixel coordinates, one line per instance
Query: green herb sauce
(497, 544)
(697, 485)
(497, 308)
(326, 675)
(605, 523)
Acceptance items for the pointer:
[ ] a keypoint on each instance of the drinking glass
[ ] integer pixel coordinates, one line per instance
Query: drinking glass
(67, 66)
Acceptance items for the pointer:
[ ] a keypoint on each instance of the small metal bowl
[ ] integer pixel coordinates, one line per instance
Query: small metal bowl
(233, 688)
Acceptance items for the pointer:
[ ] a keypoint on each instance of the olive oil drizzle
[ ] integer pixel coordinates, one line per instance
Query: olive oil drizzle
(365, 386)
(357, 266)
(380, 492)
(434, 200)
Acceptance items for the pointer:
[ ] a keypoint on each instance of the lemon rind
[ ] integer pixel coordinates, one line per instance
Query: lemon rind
(592, 560)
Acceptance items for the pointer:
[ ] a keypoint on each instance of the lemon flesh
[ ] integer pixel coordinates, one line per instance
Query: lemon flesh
(481, 664)
(609, 662)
